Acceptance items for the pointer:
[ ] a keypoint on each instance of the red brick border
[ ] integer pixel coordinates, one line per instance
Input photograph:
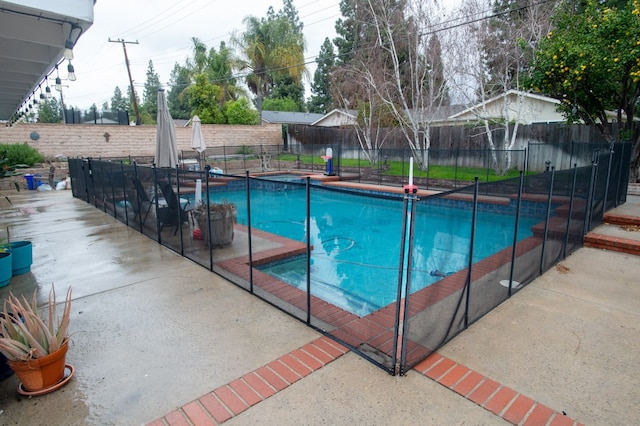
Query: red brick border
(501, 400)
(227, 401)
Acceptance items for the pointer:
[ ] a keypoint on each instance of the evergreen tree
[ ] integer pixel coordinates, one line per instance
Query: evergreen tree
(509, 40)
(129, 101)
(119, 102)
(320, 101)
(150, 95)
(353, 30)
(178, 96)
(49, 111)
(436, 68)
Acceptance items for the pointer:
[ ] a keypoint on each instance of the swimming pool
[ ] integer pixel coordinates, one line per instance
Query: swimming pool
(283, 177)
(356, 241)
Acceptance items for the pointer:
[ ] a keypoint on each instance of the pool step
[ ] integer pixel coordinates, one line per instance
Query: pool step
(631, 227)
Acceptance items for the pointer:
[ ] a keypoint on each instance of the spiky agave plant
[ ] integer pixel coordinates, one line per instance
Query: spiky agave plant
(24, 335)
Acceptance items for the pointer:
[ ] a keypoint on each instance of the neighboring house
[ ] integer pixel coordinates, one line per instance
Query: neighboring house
(437, 115)
(337, 118)
(526, 108)
(286, 117)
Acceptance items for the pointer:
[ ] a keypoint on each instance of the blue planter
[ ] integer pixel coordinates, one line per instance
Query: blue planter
(5, 268)
(22, 254)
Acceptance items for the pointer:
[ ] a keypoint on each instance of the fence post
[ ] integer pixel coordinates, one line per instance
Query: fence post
(155, 191)
(592, 191)
(606, 188)
(455, 170)
(407, 288)
(308, 232)
(180, 211)
(428, 165)
(139, 213)
(486, 163)
(399, 317)
(573, 191)
(546, 222)
(113, 192)
(207, 173)
(359, 167)
(248, 186)
(515, 232)
(471, 243)
(85, 173)
(124, 192)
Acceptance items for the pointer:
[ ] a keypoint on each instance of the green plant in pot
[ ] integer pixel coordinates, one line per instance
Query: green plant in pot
(35, 342)
(216, 221)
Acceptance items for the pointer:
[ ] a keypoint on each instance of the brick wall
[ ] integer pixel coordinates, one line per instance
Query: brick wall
(90, 140)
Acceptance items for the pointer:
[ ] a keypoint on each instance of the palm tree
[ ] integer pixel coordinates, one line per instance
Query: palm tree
(269, 48)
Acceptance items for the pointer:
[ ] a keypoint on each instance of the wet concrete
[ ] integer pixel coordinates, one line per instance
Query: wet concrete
(571, 338)
(152, 331)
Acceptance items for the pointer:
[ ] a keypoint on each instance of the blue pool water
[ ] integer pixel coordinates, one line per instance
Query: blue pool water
(356, 241)
(284, 177)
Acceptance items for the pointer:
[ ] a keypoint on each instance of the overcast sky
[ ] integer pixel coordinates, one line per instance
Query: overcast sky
(164, 29)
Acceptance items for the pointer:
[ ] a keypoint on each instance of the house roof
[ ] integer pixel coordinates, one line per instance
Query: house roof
(339, 116)
(479, 107)
(286, 117)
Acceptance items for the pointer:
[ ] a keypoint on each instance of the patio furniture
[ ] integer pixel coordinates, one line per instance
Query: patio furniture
(175, 212)
(265, 162)
(143, 198)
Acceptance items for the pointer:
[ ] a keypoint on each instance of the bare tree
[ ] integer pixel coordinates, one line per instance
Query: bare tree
(409, 84)
(494, 51)
(369, 120)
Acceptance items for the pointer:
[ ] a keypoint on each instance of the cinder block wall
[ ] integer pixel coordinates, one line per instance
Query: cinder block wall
(115, 141)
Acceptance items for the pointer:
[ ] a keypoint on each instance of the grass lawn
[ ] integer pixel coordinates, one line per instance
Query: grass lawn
(398, 168)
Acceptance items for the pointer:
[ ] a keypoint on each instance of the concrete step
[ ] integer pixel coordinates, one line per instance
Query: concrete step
(625, 239)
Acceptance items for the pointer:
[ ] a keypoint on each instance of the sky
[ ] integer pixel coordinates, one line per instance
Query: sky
(163, 30)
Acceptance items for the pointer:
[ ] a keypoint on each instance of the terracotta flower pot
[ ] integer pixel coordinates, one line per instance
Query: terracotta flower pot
(41, 373)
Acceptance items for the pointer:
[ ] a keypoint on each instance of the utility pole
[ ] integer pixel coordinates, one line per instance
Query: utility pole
(126, 60)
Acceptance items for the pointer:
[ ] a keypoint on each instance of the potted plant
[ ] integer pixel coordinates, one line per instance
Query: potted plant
(217, 221)
(36, 345)
(21, 254)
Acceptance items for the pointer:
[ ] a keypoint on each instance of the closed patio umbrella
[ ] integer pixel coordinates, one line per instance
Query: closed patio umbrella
(166, 146)
(197, 138)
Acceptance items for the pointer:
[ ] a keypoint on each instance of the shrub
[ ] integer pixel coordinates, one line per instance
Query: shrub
(245, 150)
(20, 154)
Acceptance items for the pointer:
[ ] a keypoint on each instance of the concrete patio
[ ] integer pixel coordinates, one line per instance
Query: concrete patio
(153, 334)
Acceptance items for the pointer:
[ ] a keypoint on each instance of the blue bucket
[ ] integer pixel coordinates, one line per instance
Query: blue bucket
(30, 182)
